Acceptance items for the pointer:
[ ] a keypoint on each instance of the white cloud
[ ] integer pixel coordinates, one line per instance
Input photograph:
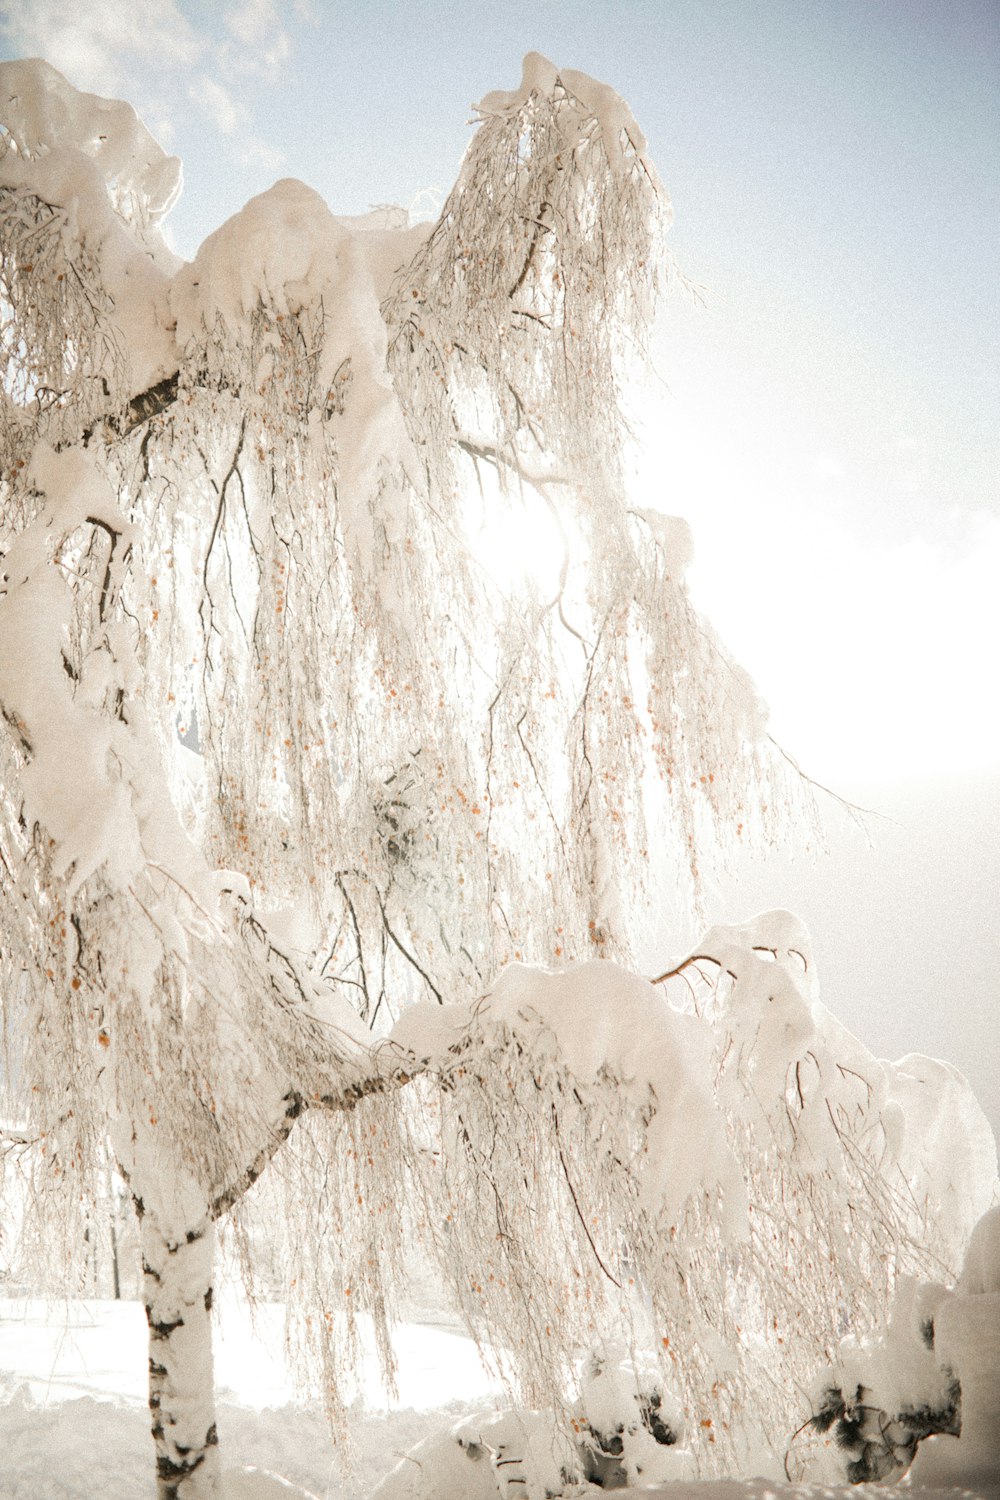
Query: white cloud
(254, 151)
(216, 102)
(148, 52)
(262, 41)
(233, 120)
(95, 44)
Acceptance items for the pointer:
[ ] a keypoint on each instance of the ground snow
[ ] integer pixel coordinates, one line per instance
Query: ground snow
(74, 1424)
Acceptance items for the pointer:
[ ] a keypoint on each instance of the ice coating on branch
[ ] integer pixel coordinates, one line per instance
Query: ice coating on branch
(944, 1146)
(617, 123)
(43, 114)
(674, 536)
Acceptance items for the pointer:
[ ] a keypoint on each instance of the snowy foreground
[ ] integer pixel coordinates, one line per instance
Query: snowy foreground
(74, 1423)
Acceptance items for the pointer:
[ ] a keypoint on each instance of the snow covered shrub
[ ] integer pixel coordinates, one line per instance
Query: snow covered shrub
(622, 1431)
(967, 1340)
(888, 1395)
(874, 1444)
(630, 1430)
(517, 1455)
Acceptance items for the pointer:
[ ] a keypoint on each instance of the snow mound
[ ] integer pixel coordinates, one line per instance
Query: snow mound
(284, 258)
(95, 166)
(598, 1020)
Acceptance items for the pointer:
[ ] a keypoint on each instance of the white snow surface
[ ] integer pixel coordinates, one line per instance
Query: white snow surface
(88, 814)
(95, 159)
(74, 1424)
(285, 253)
(603, 1018)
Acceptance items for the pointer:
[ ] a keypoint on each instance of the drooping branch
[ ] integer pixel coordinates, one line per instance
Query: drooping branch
(296, 1104)
(232, 1194)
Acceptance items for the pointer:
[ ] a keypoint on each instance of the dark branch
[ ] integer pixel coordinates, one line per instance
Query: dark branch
(142, 408)
(230, 1196)
(150, 403)
(296, 1104)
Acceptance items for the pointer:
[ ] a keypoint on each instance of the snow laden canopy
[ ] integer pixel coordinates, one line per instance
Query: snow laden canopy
(378, 725)
(280, 755)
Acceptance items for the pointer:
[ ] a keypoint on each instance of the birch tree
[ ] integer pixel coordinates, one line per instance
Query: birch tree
(288, 777)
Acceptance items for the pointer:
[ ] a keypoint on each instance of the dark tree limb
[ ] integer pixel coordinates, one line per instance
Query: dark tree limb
(345, 1098)
(149, 403)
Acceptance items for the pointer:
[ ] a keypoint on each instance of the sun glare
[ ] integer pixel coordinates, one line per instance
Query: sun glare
(871, 650)
(518, 539)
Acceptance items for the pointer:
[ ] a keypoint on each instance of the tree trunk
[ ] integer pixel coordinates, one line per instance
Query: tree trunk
(177, 1279)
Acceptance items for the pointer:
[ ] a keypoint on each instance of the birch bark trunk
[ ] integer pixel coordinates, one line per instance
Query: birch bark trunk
(178, 1284)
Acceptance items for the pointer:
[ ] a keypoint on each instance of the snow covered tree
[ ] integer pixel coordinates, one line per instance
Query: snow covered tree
(288, 777)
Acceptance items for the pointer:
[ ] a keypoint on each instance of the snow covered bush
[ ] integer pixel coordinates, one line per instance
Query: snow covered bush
(924, 1397)
(933, 1373)
(288, 778)
(904, 1394)
(621, 1432)
(876, 1444)
(628, 1430)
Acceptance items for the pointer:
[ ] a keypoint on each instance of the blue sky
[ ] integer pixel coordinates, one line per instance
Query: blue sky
(828, 419)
